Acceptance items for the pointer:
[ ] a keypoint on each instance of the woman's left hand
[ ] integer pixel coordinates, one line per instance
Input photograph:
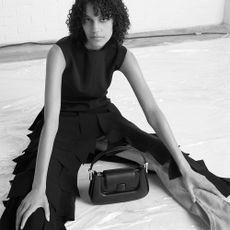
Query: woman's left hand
(193, 180)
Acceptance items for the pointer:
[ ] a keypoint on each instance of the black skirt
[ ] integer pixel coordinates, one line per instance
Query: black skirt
(80, 124)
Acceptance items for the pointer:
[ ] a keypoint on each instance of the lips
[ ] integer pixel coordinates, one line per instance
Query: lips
(96, 37)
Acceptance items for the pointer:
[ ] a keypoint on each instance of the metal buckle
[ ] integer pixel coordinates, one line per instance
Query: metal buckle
(90, 174)
(146, 165)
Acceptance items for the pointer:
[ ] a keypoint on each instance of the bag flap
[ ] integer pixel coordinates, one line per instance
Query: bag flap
(121, 179)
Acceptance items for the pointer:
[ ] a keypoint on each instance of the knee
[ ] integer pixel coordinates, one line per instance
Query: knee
(36, 220)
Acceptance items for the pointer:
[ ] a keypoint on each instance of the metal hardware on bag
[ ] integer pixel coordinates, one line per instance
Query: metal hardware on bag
(99, 173)
(119, 185)
(91, 171)
(146, 165)
(90, 174)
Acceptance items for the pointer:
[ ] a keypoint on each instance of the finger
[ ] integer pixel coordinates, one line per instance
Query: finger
(192, 195)
(47, 211)
(26, 216)
(20, 207)
(23, 209)
(20, 216)
(18, 220)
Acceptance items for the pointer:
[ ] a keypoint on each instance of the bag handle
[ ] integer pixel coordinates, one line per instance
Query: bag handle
(112, 151)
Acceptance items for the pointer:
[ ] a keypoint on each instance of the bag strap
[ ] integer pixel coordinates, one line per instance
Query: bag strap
(115, 150)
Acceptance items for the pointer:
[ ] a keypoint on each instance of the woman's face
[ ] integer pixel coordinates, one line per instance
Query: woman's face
(97, 30)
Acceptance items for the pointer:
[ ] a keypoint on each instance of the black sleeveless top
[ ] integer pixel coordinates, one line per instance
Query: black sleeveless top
(88, 72)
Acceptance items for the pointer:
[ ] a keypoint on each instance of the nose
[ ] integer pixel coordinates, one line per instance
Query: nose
(96, 27)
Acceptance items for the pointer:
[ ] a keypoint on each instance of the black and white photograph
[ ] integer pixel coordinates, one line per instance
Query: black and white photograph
(115, 114)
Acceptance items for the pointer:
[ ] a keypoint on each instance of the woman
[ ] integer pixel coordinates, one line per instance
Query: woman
(78, 120)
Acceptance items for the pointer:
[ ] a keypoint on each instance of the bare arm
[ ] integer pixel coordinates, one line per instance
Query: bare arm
(55, 65)
(157, 120)
(153, 114)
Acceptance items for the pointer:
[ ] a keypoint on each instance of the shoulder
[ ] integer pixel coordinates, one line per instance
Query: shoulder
(64, 40)
(126, 58)
(55, 52)
(63, 47)
(55, 58)
(58, 51)
(129, 56)
(122, 49)
(130, 62)
(64, 43)
(120, 54)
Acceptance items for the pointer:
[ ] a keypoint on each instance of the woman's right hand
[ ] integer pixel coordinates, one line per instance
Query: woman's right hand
(32, 201)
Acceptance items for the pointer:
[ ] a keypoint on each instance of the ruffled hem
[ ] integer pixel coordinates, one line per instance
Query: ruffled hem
(74, 141)
(60, 189)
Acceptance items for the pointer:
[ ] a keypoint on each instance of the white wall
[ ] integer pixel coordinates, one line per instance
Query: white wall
(169, 14)
(227, 12)
(32, 20)
(37, 20)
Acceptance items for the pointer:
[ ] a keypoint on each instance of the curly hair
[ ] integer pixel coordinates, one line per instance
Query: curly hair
(108, 9)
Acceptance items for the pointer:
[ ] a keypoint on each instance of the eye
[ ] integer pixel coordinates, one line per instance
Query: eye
(86, 19)
(104, 19)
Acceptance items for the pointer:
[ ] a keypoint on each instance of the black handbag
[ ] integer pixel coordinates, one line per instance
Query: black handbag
(119, 184)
